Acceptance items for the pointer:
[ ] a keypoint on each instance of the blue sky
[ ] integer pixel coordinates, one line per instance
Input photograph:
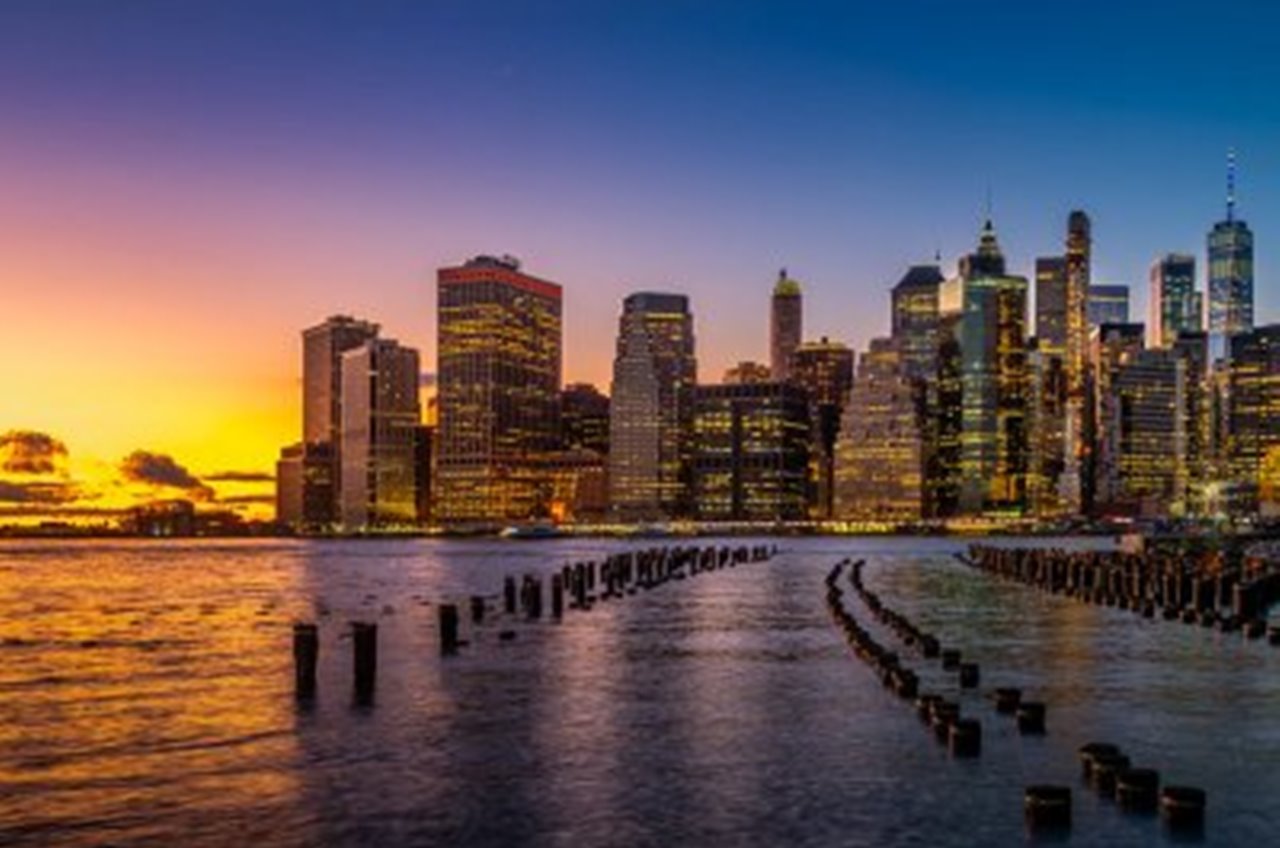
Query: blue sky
(328, 156)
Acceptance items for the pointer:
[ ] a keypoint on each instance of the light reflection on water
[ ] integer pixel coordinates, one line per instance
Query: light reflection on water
(146, 698)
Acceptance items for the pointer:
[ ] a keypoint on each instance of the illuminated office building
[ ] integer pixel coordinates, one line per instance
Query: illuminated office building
(1046, 409)
(322, 348)
(916, 322)
(1230, 274)
(1147, 436)
(1111, 345)
(651, 408)
(584, 418)
(1192, 349)
(992, 349)
(1108, 305)
(824, 369)
(1051, 304)
(786, 325)
(1253, 454)
(379, 433)
(915, 319)
(499, 349)
(1075, 486)
(880, 464)
(1173, 304)
(751, 452)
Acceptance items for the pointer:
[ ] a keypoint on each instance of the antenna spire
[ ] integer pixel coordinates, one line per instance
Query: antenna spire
(1231, 185)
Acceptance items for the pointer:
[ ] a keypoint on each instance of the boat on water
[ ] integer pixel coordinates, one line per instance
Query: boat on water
(532, 531)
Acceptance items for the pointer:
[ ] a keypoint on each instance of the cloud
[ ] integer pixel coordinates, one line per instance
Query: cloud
(240, 477)
(37, 493)
(29, 452)
(158, 469)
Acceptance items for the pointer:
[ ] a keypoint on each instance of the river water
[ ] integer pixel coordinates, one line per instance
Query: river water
(146, 698)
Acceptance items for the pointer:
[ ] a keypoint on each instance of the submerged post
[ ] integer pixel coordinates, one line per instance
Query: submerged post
(448, 629)
(306, 651)
(364, 643)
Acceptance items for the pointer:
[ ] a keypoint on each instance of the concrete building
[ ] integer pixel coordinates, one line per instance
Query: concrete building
(651, 408)
(499, 347)
(322, 348)
(786, 325)
(378, 446)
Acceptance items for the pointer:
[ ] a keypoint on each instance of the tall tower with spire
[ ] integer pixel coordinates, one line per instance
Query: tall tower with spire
(1230, 273)
(786, 325)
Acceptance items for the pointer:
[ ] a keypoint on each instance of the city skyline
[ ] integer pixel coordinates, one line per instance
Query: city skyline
(162, 259)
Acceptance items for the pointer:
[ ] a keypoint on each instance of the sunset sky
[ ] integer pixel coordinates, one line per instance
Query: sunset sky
(186, 185)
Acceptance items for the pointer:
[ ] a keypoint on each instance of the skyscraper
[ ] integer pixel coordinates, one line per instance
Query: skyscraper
(322, 348)
(992, 349)
(825, 370)
(1148, 434)
(380, 423)
(880, 467)
(786, 325)
(499, 342)
(917, 330)
(1230, 274)
(651, 408)
(1046, 399)
(1173, 305)
(751, 452)
(1111, 345)
(1253, 452)
(1108, 305)
(1076, 441)
(1051, 304)
(915, 319)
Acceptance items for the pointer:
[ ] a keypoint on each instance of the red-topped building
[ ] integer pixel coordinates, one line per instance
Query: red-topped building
(499, 349)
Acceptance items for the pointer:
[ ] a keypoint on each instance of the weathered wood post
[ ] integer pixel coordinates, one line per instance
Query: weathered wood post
(306, 652)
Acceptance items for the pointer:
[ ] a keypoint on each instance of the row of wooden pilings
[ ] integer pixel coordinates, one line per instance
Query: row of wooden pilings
(1193, 589)
(1045, 806)
(1202, 590)
(584, 583)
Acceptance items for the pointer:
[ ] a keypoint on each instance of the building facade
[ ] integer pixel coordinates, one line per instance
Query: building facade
(651, 408)
(1173, 304)
(322, 348)
(1108, 305)
(824, 369)
(1253, 443)
(751, 452)
(786, 325)
(1075, 487)
(880, 465)
(378, 447)
(1051, 304)
(499, 347)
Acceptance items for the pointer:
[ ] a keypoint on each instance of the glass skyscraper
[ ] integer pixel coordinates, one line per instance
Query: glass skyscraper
(1230, 275)
(1173, 305)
